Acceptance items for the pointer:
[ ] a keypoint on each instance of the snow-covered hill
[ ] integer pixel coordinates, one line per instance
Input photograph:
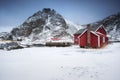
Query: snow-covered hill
(44, 25)
(68, 63)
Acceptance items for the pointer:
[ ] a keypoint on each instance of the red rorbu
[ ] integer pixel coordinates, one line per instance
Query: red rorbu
(95, 37)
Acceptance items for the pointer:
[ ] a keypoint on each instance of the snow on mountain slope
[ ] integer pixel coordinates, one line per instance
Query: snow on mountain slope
(115, 34)
(68, 63)
(77, 26)
(72, 27)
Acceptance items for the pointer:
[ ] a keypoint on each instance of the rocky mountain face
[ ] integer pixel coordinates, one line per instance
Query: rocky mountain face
(112, 26)
(43, 25)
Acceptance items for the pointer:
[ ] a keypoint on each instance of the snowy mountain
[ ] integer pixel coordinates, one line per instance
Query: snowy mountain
(42, 26)
(112, 26)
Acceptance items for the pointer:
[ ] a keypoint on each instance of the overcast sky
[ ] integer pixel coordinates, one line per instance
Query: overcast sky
(15, 12)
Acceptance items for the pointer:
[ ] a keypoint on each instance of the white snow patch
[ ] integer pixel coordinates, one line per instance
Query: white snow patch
(72, 27)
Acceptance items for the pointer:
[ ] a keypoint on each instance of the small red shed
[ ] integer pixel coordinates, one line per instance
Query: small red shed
(95, 37)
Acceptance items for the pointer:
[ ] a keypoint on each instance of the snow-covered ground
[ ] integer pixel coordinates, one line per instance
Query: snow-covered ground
(58, 63)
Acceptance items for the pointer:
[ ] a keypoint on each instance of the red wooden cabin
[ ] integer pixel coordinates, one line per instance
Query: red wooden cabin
(95, 37)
